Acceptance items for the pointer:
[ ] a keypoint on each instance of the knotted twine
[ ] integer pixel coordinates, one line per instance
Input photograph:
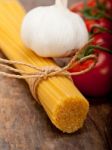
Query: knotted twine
(43, 73)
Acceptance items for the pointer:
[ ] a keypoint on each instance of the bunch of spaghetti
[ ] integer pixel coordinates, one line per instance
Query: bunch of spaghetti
(64, 104)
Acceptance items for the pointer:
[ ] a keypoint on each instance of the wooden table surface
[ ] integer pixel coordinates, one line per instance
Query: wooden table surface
(25, 126)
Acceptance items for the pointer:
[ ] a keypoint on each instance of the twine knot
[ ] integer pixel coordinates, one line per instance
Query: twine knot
(42, 73)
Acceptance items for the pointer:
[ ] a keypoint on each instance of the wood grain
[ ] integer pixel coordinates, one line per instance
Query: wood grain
(25, 126)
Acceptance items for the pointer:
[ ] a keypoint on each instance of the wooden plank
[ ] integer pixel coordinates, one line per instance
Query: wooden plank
(25, 126)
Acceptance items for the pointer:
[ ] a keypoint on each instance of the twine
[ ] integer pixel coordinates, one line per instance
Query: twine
(43, 73)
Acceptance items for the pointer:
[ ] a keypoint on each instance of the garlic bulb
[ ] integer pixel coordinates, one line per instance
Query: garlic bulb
(53, 31)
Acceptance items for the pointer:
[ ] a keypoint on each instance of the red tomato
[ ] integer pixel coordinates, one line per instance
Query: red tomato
(82, 66)
(96, 82)
(103, 22)
(77, 7)
(90, 23)
(91, 3)
(104, 40)
(80, 5)
(108, 4)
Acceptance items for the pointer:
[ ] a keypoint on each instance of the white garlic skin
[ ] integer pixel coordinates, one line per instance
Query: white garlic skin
(53, 31)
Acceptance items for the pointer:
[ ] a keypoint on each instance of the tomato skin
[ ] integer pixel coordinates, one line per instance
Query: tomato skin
(77, 7)
(103, 22)
(91, 3)
(108, 4)
(90, 23)
(96, 83)
(80, 5)
(104, 40)
(82, 66)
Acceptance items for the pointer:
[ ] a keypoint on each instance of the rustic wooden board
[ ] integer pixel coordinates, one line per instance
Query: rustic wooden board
(25, 126)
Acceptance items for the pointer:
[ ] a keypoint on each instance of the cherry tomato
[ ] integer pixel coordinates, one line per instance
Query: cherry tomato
(90, 23)
(77, 7)
(104, 40)
(108, 5)
(91, 3)
(96, 82)
(82, 66)
(102, 23)
(80, 5)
